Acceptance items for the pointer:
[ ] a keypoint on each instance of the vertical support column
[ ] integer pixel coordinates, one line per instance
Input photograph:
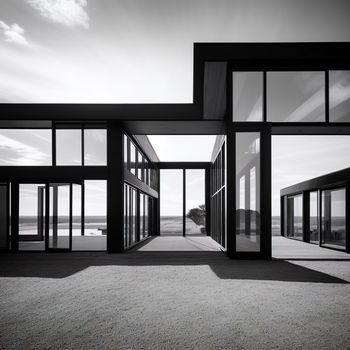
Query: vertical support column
(306, 216)
(115, 193)
(54, 215)
(319, 217)
(82, 209)
(231, 193)
(70, 215)
(265, 194)
(184, 202)
(14, 216)
(347, 218)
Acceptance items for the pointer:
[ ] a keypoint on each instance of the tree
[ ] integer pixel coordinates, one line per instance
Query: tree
(197, 215)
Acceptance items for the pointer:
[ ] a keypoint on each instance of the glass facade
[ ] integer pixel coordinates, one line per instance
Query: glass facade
(247, 96)
(339, 96)
(295, 96)
(334, 218)
(248, 192)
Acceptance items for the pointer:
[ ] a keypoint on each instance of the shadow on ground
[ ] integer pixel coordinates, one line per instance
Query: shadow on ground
(61, 265)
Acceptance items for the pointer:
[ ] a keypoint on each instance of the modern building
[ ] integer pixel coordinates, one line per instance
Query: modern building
(243, 92)
(317, 211)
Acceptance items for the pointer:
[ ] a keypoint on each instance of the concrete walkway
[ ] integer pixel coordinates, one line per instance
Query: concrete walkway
(180, 244)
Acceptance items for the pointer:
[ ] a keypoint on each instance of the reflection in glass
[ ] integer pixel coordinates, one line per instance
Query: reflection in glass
(68, 147)
(195, 202)
(95, 147)
(339, 96)
(142, 215)
(171, 206)
(132, 158)
(126, 152)
(314, 235)
(296, 96)
(295, 217)
(25, 147)
(59, 217)
(139, 165)
(333, 218)
(4, 216)
(247, 90)
(248, 192)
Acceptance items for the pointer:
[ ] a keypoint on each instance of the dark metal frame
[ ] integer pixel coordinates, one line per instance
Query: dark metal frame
(188, 166)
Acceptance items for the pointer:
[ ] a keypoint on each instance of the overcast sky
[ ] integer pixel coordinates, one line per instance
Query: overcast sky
(139, 50)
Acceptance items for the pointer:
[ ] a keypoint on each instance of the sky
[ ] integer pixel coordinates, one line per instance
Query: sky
(139, 51)
(183, 148)
(300, 158)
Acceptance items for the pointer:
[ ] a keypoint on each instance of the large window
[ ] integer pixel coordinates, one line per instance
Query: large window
(217, 198)
(195, 201)
(313, 230)
(295, 217)
(95, 147)
(68, 147)
(171, 202)
(339, 96)
(248, 192)
(333, 218)
(296, 96)
(25, 147)
(247, 96)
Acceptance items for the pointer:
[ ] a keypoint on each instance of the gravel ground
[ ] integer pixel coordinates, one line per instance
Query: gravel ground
(170, 300)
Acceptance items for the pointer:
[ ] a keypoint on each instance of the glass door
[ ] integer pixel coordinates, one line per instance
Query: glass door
(59, 216)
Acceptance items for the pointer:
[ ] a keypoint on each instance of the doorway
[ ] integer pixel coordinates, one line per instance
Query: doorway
(183, 202)
(45, 217)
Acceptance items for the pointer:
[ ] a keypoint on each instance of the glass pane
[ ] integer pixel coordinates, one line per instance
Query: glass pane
(195, 202)
(171, 206)
(142, 215)
(132, 158)
(133, 215)
(95, 147)
(295, 217)
(79, 241)
(247, 90)
(147, 199)
(126, 215)
(314, 235)
(248, 192)
(333, 218)
(95, 214)
(25, 147)
(30, 215)
(139, 165)
(4, 216)
(68, 147)
(296, 96)
(125, 152)
(339, 96)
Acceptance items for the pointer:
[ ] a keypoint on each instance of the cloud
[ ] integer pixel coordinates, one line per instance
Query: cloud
(13, 33)
(70, 13)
